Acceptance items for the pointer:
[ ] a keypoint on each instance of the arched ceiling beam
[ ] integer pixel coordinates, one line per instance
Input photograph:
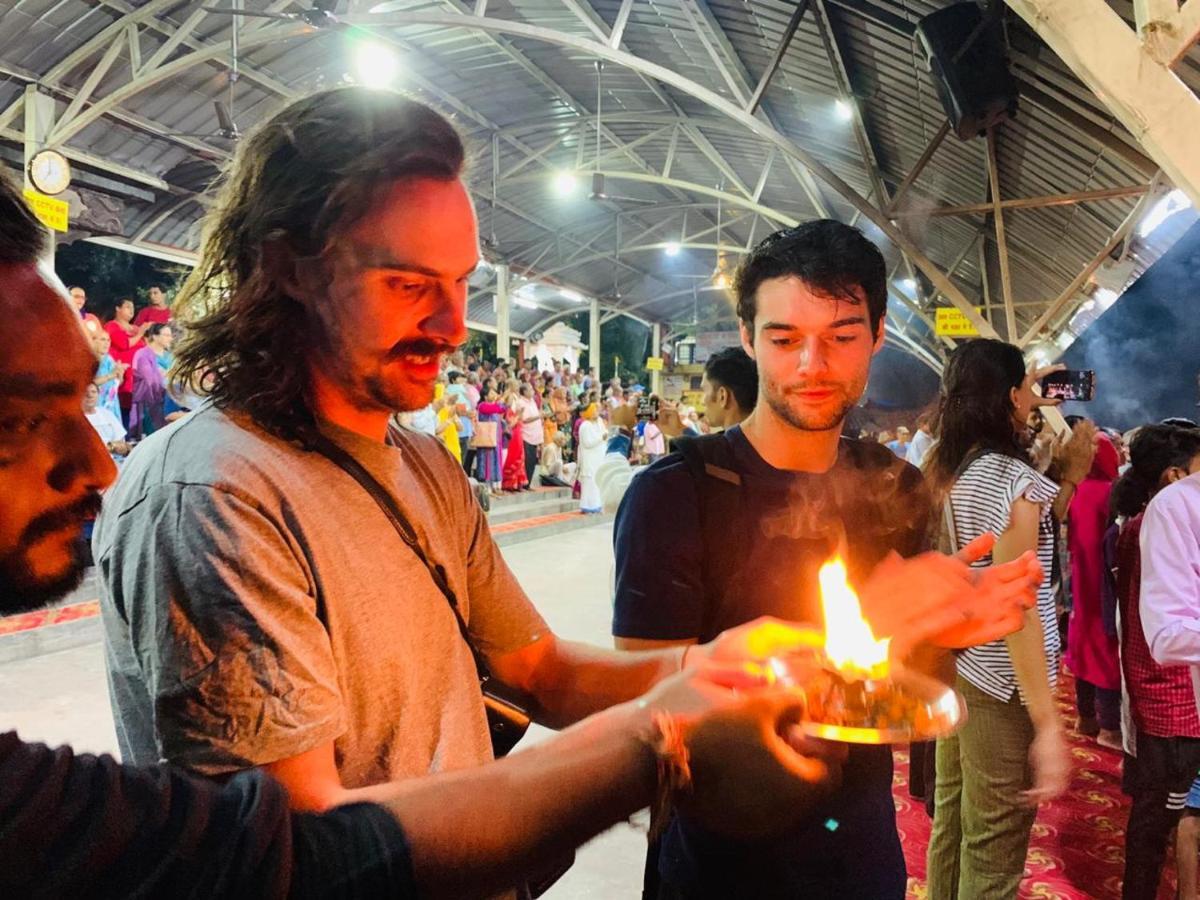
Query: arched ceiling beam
(713, 100)
(725, 197)
(642, 248)
(115, 98)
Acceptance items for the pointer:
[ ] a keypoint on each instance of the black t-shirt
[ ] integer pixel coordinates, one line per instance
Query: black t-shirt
(785, 525)
(87, 826)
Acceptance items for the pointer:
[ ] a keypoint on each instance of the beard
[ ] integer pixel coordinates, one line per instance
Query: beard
(21, 589)
(826, 418)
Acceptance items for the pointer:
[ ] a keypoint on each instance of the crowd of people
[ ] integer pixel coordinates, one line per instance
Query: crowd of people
(314, 647)
(513, 427)
(133, 357)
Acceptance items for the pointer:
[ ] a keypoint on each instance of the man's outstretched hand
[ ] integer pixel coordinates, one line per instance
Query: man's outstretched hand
(941, 600)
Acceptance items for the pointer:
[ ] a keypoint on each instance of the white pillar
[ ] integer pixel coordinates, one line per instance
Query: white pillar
(594, 338)
(39, 121)
(503, 338)
(656, 350)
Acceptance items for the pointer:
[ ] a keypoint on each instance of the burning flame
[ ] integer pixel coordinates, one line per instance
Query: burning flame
(849, 642)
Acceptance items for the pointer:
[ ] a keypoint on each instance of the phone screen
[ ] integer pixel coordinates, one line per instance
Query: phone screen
(647, 409)
(1070, 384)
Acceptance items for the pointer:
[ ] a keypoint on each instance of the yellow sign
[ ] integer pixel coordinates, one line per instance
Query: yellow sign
(50, 211)
(953, 322)
(654, 363)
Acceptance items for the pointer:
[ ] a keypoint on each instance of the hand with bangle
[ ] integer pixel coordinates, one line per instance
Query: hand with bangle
(727, 754)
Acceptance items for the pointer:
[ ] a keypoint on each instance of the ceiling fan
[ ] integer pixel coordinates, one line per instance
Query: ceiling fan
(320, 15)
(226, 128)
(599, 194)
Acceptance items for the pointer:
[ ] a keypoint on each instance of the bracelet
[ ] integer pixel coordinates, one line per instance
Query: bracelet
(674, 770)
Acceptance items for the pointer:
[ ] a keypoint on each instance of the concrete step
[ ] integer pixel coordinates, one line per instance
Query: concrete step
(545, 526)
(537, 493)
(535, 507)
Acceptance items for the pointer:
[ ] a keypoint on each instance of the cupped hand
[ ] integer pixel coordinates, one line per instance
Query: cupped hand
(758, 640)
(1075, 454)
(753, 774)
(941, 600)
(669, 422)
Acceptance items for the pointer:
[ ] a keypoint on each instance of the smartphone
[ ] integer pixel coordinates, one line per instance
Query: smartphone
(1070, 384)
(647, 409)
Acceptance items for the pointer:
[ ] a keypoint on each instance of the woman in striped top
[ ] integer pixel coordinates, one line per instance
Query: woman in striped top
(1011, 753)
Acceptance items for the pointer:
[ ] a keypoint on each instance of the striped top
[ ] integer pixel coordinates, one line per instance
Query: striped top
(982, 500)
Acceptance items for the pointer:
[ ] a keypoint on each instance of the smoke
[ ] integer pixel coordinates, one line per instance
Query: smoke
(1146, 348)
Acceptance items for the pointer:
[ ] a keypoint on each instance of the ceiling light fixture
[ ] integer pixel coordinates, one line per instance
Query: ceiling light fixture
(844, 110)
(672, 249)
(375, 65)
(565, 183)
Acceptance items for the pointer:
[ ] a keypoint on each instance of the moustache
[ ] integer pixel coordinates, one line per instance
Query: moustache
(421, 347)
(57, 520)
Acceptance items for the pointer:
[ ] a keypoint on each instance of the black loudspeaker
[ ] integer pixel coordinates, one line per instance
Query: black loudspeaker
(965, 52)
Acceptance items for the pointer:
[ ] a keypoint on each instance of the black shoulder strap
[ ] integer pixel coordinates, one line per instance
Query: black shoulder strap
(718, 482)
(395, 516)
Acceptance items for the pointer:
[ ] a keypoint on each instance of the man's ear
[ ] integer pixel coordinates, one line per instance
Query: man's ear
(747, 339)
(880, 334)
(284, 269)
(723, 397)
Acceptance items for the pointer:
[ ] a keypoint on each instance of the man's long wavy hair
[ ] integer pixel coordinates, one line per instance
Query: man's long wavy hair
(303, 177)
(976, 408)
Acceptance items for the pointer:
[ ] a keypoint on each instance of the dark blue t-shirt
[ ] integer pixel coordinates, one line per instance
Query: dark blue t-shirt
(783, 527)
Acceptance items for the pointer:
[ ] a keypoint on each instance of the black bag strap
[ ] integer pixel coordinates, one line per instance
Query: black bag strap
(388, 506)
(718, 482)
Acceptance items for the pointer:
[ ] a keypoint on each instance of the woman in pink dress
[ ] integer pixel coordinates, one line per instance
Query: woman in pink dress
(1092, 653)
(488, 468)
(126, 341)
(514, 457)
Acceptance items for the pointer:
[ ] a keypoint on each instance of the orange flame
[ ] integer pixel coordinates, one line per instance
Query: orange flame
(849, 642)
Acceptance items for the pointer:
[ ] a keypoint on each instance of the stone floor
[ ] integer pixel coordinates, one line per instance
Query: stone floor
(61, 697)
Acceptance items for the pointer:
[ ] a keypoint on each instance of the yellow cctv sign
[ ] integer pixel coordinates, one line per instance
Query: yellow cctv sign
(654, 364)
(50, 211)
(953, 322)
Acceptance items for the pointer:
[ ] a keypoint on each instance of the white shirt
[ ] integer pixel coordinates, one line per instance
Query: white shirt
(107, 425)
(982, 499)
(918, 447)
(1170, 598)
(533, 432)
(424, 420)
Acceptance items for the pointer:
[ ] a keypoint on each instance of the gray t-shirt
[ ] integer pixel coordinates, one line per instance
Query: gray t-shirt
(258, 604)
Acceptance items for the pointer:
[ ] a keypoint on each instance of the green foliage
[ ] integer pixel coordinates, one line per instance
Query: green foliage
(622, 338)
(109, 274)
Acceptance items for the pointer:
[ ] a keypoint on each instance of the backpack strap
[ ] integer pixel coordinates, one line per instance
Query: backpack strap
(718, 482)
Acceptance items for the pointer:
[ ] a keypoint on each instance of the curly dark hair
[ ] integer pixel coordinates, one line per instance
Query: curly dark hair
(302, 178)
(976, 407)
(830, 257)
(1155, 449)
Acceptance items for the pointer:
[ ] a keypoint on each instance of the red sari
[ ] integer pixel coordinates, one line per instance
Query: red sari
(1091, 650)
(123, 351)
(514, 456)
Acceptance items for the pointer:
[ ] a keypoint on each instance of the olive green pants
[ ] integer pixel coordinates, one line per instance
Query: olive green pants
(980, 824)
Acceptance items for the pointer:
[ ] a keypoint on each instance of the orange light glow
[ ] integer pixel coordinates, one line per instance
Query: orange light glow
(849, 642)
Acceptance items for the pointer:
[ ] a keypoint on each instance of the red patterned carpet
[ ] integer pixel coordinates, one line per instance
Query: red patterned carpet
(1077, 851)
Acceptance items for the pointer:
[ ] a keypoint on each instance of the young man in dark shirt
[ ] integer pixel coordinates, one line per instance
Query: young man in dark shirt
(736, 526)
(76, 826)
